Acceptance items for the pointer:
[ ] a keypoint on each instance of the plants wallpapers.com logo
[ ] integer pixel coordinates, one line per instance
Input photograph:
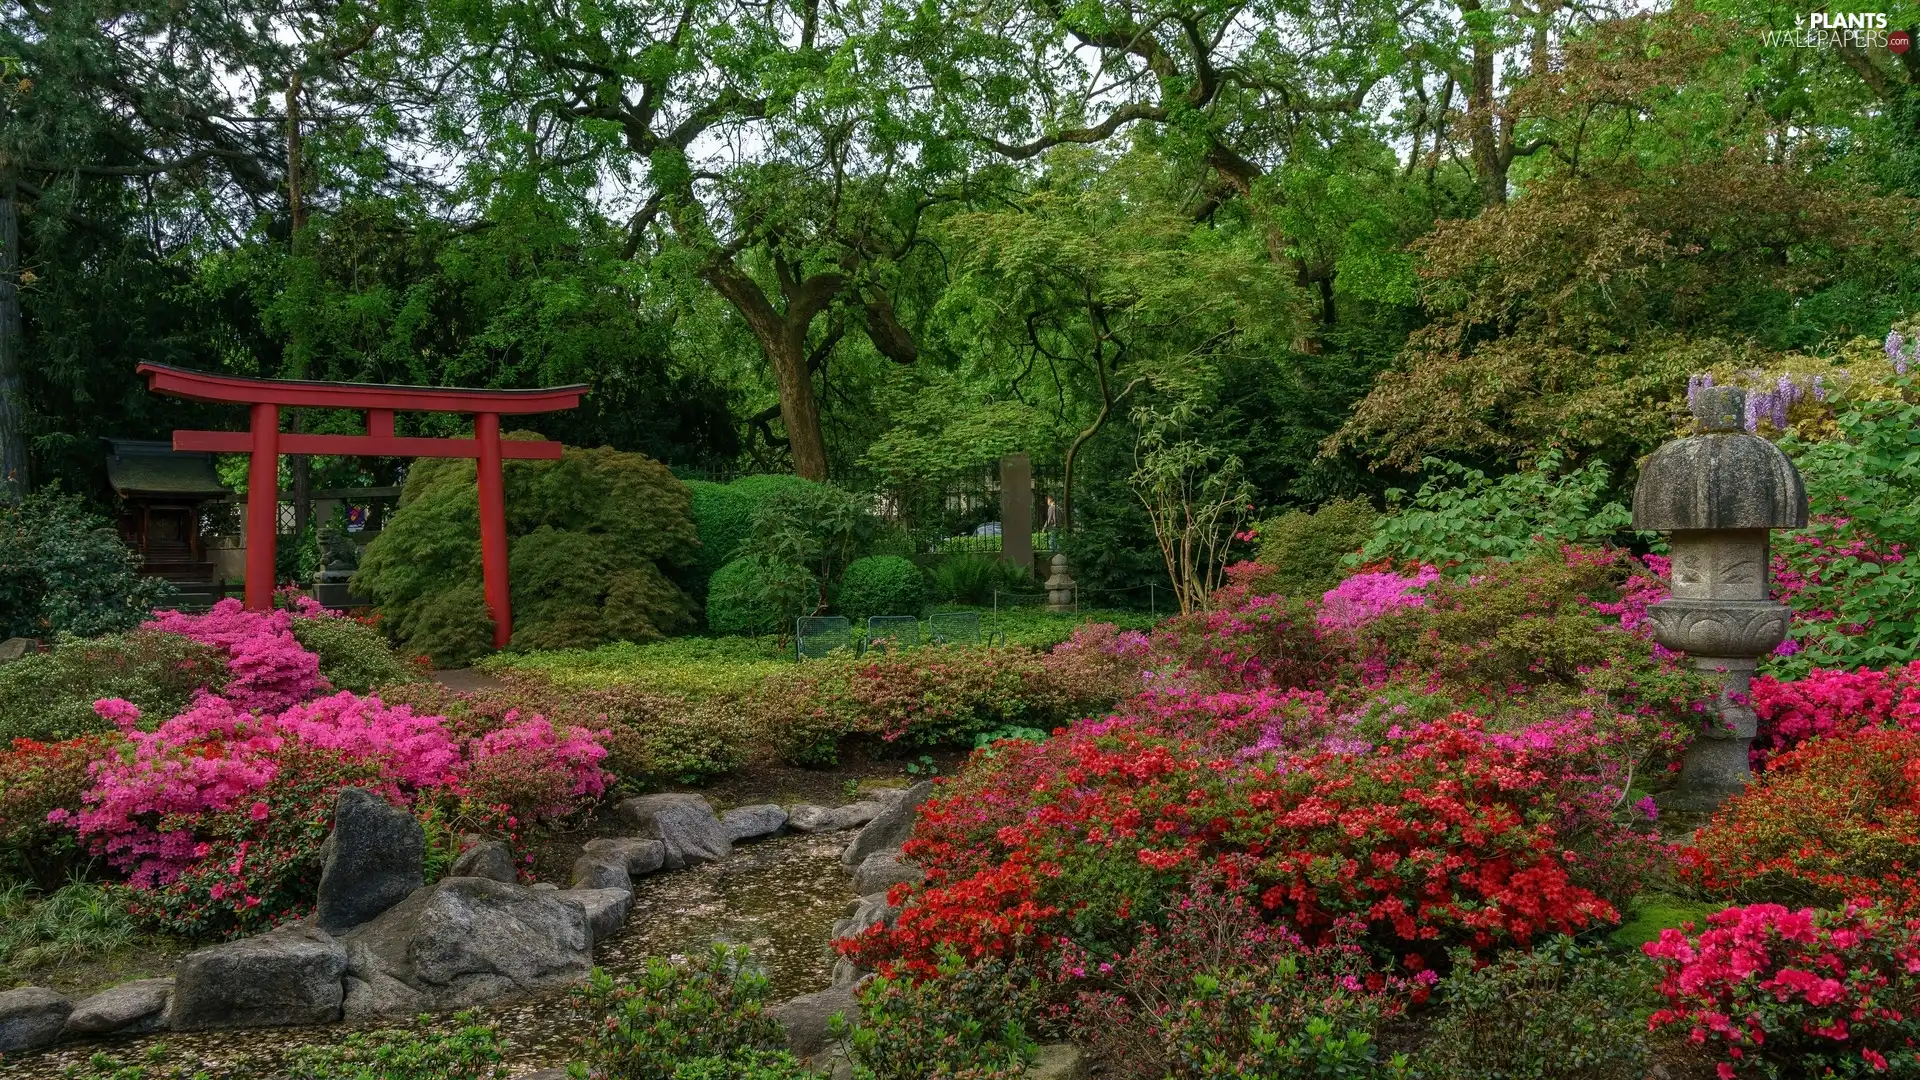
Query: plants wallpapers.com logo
(1835, 29)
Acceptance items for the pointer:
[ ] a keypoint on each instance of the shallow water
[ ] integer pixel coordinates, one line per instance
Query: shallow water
(779, 897)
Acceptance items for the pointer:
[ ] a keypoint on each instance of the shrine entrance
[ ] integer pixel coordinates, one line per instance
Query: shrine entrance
(265, 442)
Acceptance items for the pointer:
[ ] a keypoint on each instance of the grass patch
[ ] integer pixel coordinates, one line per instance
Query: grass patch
(77, 938)
(694, 667)
(1033, 625)
(1653, 912)
(727, 667)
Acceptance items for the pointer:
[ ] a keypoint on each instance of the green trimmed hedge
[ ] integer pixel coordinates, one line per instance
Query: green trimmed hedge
(723, 516)
(881, 585)
(49, 696)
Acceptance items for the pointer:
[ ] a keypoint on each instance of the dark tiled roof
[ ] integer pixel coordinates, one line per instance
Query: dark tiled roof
(137, 467)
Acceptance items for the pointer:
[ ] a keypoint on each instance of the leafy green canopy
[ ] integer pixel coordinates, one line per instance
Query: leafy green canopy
(592, 539)
(1460, 519)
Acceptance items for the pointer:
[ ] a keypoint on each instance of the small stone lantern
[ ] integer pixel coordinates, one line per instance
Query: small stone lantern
(1717, 493)
(1060, 586)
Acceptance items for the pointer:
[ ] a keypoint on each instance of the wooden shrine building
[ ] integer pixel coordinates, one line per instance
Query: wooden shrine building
(162, 492)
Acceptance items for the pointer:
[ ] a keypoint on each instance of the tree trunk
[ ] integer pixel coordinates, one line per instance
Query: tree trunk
(783, 341)
(14, 474)
(1488, 165)
(799, 410)
(300, 465)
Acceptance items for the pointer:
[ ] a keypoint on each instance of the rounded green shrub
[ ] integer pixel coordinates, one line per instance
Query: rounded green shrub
(592, 539)
(724, 515)
(63, 570)
(752, 596)
(50, 695)
(881, 585)
(1561, 1010)
(1302, 551)
(353, 656)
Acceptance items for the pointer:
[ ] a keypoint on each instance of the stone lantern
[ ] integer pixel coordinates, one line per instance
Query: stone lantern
(1060, 586)
(1717, 493)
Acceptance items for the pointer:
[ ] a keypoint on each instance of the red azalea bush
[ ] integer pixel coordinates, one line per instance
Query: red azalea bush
(1816, 993)
(1832, 819)
(36, 780)
(1437, 764)
(1440, 836)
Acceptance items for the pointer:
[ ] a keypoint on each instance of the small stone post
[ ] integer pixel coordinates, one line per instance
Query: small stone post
(1016, 511)
(1717, 493)
(1060, 586)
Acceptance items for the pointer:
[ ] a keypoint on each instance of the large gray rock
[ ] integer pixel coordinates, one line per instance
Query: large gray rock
(807, 1019)
(15, 648)
(883, 870)
(890, 828)
(463, 942)
(1057, 1061)
(490, 859)
(640, 857)
(601, 872)
(373, 859)
(131, 1008)
(821, 819)
(286, 976)
(865, 912)
(606, 909)
(30, 1018)
(753, 822)
(684, 823)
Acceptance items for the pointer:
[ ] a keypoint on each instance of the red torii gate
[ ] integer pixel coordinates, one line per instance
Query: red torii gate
(265, 442)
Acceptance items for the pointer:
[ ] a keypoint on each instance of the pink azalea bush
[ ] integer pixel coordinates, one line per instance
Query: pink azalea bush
(144, 811)
(1823, 993)
(216, 815)
(1832, 702)
(1364, 597)
(270, 670)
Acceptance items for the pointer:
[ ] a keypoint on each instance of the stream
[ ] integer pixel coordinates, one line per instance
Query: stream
(779, 897)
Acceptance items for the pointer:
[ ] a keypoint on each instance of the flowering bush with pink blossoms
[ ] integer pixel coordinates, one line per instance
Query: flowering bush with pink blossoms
(215, 815)
(1833, 702)
(190, 800)
(1777, 992)
(1364, 597)
(269, 669)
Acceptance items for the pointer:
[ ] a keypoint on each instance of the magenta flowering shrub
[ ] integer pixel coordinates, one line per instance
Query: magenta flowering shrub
(1830, 702)
(141, 810)
(1365, 597)
(215, 817)
(269, 669)
(1817, 993)
(540, 769)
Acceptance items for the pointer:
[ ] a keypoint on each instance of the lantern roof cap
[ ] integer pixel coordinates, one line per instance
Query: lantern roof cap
(1720, 477)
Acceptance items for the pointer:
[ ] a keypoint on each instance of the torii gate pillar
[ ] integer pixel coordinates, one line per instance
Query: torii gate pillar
(264, 443)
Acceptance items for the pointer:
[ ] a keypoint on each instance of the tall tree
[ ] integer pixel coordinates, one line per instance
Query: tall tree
(119, 119)
(741, 139)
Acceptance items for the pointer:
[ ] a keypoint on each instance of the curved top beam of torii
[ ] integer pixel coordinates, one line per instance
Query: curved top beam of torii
(241, 390)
